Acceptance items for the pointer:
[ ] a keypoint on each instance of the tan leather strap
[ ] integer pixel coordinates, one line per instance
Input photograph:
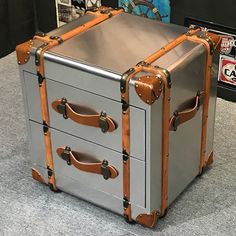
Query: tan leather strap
(163, 74)
(180, 117)
(127, 76)
(47, 135)
(87, 163)
(72, 111)
(102, 15)
(212, 43)
(170, 46)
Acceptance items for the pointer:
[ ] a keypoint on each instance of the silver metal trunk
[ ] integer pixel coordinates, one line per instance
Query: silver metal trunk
(86, 70)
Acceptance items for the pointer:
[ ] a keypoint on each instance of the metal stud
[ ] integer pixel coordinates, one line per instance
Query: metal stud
(140, 95)
(136, 86)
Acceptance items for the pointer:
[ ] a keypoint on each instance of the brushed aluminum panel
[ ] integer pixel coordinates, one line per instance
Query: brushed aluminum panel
(32, 99)
(82, 76)
(37, 147)
(99, 198)
(113, 187)
(119, 43)
(185, 143)
(97, 103)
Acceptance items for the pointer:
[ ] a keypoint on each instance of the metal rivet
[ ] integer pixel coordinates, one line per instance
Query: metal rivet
(19, 62)
(169, 99)
(26, 60)
(136, 86)
(147, 101)
(28, 52)
(152, 101)
(140, 95)
(160, 90)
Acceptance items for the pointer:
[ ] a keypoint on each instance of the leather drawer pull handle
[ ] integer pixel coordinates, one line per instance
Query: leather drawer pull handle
(69, 110)
(180, 117)
(87, 163)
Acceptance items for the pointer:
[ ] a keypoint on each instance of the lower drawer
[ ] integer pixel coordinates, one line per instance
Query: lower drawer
(84, 151)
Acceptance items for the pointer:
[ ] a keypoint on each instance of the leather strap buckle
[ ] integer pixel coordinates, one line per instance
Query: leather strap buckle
(103, 122)
(65, 155)
(62, 108)
(105, 170)
(176, 121)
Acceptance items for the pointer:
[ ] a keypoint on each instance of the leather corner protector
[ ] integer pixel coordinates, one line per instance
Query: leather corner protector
(149, 88)
(37, 176)
(23, 52)
(148, 220)
(210, 159)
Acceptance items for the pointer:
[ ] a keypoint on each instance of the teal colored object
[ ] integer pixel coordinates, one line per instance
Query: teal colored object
(154, 9)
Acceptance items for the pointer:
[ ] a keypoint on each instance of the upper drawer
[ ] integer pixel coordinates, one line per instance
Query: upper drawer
(84, 119)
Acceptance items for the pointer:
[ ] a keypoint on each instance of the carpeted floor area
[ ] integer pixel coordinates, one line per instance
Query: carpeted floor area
(207, 207)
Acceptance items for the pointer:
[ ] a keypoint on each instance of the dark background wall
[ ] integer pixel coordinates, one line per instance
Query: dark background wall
(45, 11)
(20, 19)
(217, 11)
(17, 23)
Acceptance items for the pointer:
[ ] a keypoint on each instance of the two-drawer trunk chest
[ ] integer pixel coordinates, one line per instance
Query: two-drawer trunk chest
(120, 110)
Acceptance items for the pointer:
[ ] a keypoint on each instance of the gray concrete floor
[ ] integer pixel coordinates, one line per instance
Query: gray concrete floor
(207, 207)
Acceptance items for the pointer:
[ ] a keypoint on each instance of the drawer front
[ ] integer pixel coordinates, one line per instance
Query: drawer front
(85, 104)
(31, 92)
(37, 146)
(112, 186)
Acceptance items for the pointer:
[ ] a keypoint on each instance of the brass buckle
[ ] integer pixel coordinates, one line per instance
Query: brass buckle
(61, 108)
(105, 170)
(103, 124)
(176, 121)
(66, 155)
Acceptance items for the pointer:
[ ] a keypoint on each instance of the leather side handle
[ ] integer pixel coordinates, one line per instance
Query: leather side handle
(87, 163)
(180, 117)
(106, 123)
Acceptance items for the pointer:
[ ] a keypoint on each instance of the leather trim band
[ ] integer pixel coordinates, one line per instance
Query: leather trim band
(87, 163)
(54, 42)
(37, 176)
(126, 121)
(106, 123)
(216, 40)
(165, 133)
(170, 46)
(47, 135)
